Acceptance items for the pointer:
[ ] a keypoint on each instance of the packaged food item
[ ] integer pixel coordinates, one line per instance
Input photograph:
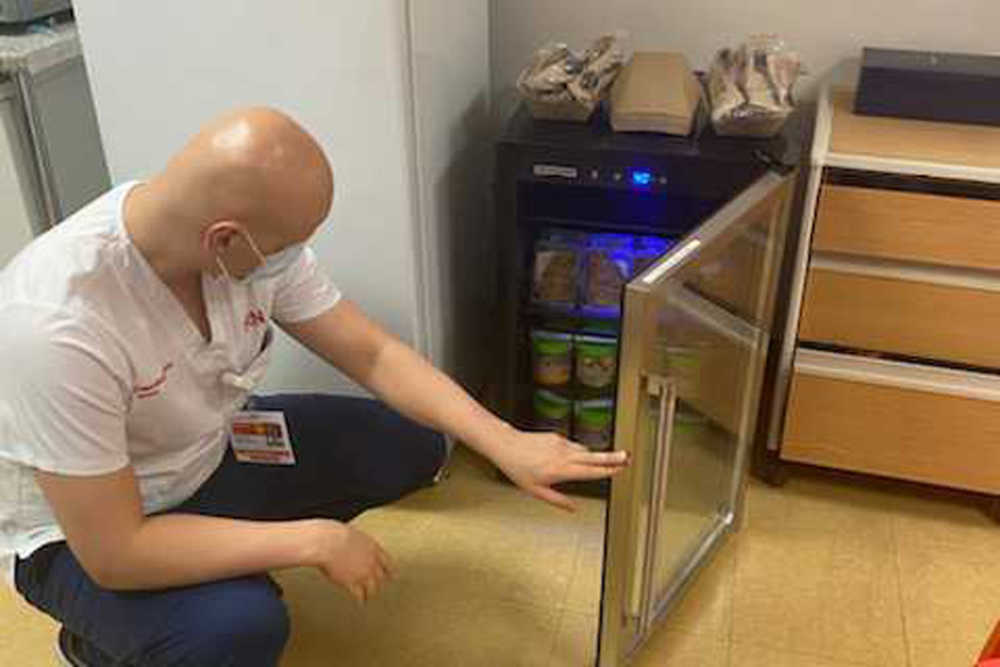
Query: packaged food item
(552, 412)
(609, 266)
(560, 84)
(552, 357)
(684, 365)
(596, 361)
(600, 326)
(592, 423)
(656, 92)
(648, 249)
(602, 63)
(750, 87)
(557, 268)
(689, 427)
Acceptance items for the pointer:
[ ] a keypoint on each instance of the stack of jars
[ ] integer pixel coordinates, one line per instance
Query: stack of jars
(574, 376)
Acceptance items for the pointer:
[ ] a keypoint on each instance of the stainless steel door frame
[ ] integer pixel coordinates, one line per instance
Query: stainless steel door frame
(665, 390)
(623, 625)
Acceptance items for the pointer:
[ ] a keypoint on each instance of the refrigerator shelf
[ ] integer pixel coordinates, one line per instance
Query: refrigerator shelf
(572, 320)
(605, 227)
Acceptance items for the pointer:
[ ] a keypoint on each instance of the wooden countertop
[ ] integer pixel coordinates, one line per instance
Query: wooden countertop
(976, 146)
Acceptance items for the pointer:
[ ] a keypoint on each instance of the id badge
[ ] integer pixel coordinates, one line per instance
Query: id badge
(261, 437)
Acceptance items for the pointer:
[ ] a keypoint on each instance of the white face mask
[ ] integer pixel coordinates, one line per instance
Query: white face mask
(270, 265)
(277, 263)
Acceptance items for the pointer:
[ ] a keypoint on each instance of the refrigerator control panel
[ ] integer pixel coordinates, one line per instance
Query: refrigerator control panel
(637, 178)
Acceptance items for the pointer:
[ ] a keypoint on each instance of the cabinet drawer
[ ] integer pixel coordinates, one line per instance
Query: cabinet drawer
(921, 312)
(908, 226)
(899, 420)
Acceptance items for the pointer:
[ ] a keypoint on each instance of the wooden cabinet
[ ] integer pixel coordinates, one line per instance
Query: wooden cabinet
(908, 226)
(890, 363)
(932, 315)
(896, 419)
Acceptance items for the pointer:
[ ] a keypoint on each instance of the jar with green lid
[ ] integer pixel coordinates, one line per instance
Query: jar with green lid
(596, 361)
(592, 423)
(688, 426)
(684, 366)
(552, 358)
(552, 412)
(600, 326)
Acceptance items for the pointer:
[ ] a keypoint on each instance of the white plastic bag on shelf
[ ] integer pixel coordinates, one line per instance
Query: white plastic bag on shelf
(750, 88)
(562, 84)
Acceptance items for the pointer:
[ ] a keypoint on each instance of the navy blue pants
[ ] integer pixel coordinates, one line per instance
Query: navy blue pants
(352, 455)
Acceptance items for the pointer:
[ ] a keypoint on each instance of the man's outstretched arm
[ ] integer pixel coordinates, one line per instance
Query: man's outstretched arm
(395, 373)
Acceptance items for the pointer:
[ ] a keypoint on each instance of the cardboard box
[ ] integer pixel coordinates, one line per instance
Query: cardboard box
(656, 92)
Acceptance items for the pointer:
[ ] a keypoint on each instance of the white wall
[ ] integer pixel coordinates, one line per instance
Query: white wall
(823, 32)
(343, 69)
(451, 76)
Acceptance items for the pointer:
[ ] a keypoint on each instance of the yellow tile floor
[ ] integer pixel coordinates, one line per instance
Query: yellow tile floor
(825, 573)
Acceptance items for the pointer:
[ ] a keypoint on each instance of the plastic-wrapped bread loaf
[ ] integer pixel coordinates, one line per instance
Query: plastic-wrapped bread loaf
(750, 88)
(758, 88)
(548, 73)
(722, 88)
(785, 69)
(560, 83)
(602, 62)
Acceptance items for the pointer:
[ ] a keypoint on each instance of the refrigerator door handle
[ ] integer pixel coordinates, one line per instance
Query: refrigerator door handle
(666, 389)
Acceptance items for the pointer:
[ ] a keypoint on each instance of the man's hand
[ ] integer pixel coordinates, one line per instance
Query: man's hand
(351, 559)
(346, 338)
(536, 461)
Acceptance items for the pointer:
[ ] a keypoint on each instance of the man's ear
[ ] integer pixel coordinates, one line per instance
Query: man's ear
(218, 236)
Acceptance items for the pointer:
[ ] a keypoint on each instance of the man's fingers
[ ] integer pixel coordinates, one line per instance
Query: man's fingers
(608, 459)
(386, 571)
(371, 586)
(357, 592)
(555, 498)
(578, 471)
(385, 560)
(380, 574)
(576, 446)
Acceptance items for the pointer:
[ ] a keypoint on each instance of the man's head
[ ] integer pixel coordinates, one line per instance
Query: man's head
(252, 177)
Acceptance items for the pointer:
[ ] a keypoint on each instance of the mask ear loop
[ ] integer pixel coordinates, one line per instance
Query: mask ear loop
(253, 246)
(252, 287)
(222, 267)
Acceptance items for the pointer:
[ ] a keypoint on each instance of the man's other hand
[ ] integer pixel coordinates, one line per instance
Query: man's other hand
(351, 559)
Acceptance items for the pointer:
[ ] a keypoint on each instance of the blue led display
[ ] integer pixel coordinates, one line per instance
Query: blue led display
(642, 178)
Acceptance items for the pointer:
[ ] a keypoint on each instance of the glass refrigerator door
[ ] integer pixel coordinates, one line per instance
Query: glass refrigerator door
(695, 333)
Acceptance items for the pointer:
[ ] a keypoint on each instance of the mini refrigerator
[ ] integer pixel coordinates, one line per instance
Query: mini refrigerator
(638, 280)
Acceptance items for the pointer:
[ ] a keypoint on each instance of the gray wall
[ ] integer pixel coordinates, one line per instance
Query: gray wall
(348, 71)
(822, 32)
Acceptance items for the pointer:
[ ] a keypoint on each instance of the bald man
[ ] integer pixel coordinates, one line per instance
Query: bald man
(145, 491)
